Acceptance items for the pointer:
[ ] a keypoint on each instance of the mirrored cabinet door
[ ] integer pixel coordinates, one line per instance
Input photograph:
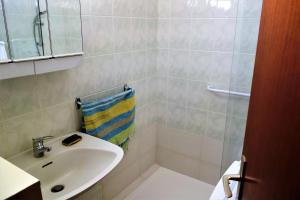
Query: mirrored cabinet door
(65, 26)
(4, 52)
(28, 29)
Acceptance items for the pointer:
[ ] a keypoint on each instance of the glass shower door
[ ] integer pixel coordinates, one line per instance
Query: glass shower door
(246, 35)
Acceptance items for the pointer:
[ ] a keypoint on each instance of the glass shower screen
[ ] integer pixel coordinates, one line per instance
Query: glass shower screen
(246, 36)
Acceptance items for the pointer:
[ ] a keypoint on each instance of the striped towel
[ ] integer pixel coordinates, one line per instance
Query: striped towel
(111, 118)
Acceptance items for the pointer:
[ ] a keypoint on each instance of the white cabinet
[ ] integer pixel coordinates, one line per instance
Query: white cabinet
(19, 69)
(56, 64)
(12, 70)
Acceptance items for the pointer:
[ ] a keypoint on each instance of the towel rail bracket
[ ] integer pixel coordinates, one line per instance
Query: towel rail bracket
(78, 103)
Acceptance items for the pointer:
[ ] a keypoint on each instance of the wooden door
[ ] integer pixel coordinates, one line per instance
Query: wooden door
(272, 140)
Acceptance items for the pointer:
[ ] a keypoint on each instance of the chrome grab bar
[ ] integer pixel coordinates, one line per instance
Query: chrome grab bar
(213, 89)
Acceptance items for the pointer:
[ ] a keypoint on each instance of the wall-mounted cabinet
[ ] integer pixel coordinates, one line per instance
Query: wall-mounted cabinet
(34, 33)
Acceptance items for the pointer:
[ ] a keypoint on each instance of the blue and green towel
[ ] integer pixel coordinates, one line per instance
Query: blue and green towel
(111, 118)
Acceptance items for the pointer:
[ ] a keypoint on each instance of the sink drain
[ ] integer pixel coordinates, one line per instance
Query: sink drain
(57, 188)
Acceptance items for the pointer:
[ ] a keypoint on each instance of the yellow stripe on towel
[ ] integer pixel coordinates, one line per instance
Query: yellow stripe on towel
(101, 117)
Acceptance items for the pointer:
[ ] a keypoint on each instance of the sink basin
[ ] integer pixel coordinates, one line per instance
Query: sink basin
(73, 169)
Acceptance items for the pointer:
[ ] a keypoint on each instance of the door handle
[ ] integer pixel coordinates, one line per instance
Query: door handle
(226, 182)
(233, 177)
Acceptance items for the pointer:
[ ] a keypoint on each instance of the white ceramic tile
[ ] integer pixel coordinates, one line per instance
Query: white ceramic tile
(161, 112)
(18, 96)
(163, 63)
(61, 119)
(238, 106)
(86, 34)
(242, 71)
(151, 61)
(123, 65)
(196, 121)
(198, 96)
(139, 35)
(178, 162)
(179, 62)
(177, 90)
(102, 35)
(179, 141)
(220, 68)
(211, 151)
(122, 34)
(218, 102)
(164, 8)
(147, 160)
(139, 70)
(216, 125)
(141, 89)
(163, 33)
(140, 118)
(102, 72)
(176, 116)
(250, 8)
(246, 35)
(122, 8)
(20, 131)
(160, 92)
(102, 8)
(212, 34)
(200, 65)
(139, 8)
(181, 8)
(147, 139)
(204, 8)
(151, 8)
(236, 130)
(151, 33)
(180, 33)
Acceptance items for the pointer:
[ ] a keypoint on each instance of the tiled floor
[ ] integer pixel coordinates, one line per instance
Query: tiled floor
(164, 184)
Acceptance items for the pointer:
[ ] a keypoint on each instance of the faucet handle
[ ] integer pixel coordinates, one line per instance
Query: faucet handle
(47, 137)
(42, 138)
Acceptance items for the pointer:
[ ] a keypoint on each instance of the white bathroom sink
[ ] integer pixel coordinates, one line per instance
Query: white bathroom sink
(76, 167)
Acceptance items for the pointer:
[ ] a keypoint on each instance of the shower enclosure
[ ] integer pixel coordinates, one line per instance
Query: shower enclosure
(205, 66)
(245, 43)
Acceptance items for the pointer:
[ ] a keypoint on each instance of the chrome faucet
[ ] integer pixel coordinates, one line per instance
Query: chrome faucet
(38, 146)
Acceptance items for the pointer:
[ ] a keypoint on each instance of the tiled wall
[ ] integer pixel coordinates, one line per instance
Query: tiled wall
(196, 41)
(119, 46)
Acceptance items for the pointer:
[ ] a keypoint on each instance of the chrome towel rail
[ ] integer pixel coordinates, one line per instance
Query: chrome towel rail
(213, 89)
(78, 100)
